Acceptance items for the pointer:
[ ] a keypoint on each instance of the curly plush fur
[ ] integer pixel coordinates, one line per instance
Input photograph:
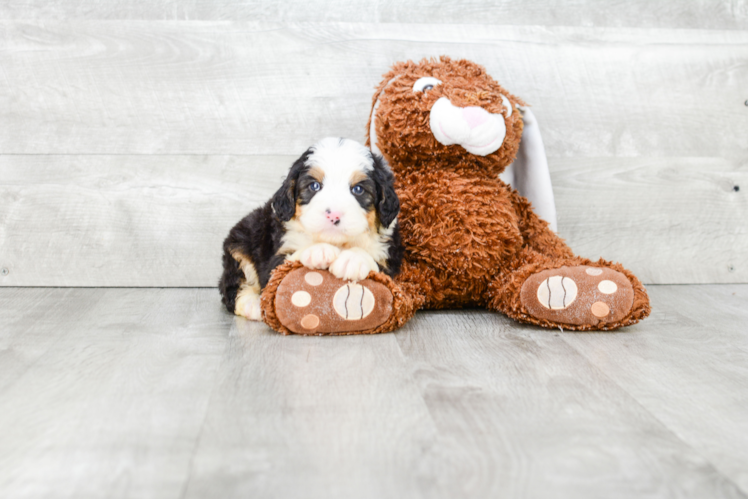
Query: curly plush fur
(470, 239)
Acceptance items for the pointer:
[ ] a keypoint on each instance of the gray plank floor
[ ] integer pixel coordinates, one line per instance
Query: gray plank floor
(158, 392)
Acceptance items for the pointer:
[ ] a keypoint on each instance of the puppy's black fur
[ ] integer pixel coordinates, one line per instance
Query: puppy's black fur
(387, 202)
(258, 236)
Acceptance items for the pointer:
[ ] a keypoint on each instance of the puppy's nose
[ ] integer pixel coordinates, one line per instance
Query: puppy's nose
(475, 116)
(333, 217)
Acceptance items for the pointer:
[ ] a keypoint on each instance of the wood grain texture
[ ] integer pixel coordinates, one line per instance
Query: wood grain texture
(158, 392)
(107, 390)
(700, 14)
(692, 373)
(671, 220)
(87, 220)
(125, 220)
(508, 398)
(156, 87)
(330, 416)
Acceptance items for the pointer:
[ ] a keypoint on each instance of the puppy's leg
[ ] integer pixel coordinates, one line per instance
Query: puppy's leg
(353, 264)
(248, 295)
(248, 303)
(317, 256)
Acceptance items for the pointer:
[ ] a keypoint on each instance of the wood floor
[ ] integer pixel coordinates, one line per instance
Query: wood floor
(158, 392)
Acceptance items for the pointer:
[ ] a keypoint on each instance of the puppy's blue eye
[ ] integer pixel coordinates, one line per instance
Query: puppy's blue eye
(357, 190)
(315, 186)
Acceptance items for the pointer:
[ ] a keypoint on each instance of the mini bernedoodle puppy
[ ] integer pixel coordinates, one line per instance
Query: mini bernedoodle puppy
(336, 210)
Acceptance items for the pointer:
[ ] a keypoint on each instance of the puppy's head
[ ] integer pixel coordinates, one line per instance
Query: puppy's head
(338, 190)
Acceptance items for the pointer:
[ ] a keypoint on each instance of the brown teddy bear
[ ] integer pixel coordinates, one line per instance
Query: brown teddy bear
(448, 130)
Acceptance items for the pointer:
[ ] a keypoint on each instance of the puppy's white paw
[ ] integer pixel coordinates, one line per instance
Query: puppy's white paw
(248, 306)
(319, 256)
(353, 265)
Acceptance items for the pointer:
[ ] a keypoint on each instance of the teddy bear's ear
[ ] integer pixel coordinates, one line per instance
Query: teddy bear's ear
(529, 173)
(371, 127)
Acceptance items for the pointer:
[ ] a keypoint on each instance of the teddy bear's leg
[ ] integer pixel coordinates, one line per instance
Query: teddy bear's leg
(569, 292)
(314, 302)
(546, 284)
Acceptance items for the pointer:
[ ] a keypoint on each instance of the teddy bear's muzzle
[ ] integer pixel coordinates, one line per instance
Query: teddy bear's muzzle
(475, 129)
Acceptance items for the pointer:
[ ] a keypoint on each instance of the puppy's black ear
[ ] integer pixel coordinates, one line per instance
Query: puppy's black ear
(388, 204)
(284, 200)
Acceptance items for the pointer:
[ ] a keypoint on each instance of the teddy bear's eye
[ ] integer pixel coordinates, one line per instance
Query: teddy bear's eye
(425, 84)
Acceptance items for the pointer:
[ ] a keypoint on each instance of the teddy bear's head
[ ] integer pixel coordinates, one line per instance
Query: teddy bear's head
(449, 110)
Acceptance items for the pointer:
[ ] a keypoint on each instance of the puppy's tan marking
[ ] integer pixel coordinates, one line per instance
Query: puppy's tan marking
(317, 173)
(357, 177)
(251, 280)
(247, 302)
(371, 218)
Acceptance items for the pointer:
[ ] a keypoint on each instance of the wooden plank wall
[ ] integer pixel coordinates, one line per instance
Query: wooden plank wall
(134, 134)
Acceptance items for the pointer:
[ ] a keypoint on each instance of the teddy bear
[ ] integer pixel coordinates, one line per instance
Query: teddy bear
(448, 130)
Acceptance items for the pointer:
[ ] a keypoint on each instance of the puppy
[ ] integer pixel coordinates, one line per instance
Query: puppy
(336, 210)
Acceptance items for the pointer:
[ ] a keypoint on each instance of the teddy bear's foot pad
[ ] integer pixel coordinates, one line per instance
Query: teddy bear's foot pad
(578, 295)
(314, 302)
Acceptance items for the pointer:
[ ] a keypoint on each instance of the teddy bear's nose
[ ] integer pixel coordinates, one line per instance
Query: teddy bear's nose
(475, 116)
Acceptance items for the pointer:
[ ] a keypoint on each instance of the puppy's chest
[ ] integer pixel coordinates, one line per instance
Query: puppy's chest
(465, 226)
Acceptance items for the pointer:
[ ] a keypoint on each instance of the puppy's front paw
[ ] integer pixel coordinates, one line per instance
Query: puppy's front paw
(353, 265)
(319, 256)
(248, 306)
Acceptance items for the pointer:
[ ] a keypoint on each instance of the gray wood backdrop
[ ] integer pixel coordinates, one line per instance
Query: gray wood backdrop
(134, 134)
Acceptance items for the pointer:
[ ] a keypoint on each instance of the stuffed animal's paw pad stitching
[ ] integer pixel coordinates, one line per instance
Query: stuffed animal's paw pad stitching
(578, 295)
(353, 301)
(557, 292)
(316, 302)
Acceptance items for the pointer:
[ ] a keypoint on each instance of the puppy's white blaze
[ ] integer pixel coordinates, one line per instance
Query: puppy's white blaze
(449, 126)
(339, 160)
(338, 155)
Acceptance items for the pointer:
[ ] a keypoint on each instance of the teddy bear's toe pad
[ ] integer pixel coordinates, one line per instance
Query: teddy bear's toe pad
(579, 295)
(314, 302)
